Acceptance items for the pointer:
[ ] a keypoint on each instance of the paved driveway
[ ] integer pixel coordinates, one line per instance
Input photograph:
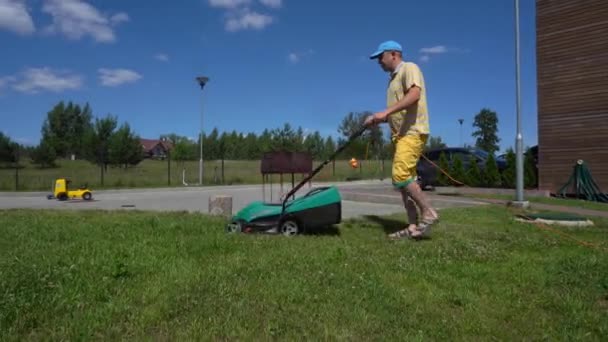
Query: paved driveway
(359, 198)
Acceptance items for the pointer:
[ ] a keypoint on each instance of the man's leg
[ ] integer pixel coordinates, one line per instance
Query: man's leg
(411, 209)
(426, 211)
(407, 152)
(401, 177)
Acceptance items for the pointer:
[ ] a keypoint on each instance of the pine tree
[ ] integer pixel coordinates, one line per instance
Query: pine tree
(210, 146)
(486, 133)
(330, 147)
(44, 155)
(473, 174)
(265, 142)
(457, 170)
(509, 174)
(124, 148)
(98, 142)
(66, 128)
(491, 176)
(442, 179)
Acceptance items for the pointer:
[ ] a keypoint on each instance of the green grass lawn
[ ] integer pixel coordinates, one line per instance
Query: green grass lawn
(156, 173)
(134, 275)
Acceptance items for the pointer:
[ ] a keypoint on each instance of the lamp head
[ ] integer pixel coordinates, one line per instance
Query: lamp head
(202, 80)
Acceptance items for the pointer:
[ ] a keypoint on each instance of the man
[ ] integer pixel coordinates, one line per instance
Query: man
(408, 119)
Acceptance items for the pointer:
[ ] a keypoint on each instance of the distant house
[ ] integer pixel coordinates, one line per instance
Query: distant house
(155, 148)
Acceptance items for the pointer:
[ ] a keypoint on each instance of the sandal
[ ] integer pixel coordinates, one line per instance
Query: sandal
(424, 227)
(401, 234)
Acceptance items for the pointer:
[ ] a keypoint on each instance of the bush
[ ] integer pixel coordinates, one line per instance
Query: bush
(490, 175)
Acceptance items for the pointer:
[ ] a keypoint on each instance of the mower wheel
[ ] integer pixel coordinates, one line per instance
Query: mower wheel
(86, 196)
(234, 227)
(289, 227)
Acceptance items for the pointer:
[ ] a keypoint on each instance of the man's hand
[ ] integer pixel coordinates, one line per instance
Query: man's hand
(376, 118)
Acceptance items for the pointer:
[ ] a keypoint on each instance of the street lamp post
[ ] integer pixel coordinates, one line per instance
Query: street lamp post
(519, 164)
(461, 121)
(202, 81)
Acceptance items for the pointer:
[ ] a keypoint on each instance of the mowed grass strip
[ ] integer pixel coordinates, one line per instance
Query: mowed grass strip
(108, 275)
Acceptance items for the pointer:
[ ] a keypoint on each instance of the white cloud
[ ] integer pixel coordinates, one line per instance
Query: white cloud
(239, 14)
(116, 77)
(15, 17)
(5, 80)
(295, 57)
(76, 19)
(228, 3)
(434, 50)
(426, 52)
(247, 19)
(119, 18)
(162, 57)
(35, 80)
(272, 3)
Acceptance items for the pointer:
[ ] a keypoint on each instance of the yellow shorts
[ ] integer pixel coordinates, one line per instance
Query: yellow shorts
(408, 150)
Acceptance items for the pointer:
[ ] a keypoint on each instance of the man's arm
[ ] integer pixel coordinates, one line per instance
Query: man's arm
(411, 96)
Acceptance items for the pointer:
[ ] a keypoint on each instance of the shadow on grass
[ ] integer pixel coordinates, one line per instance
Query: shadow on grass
(389, 225)
(323, 231)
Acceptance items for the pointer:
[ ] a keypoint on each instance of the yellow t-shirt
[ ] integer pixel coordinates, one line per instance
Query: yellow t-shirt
(414, 119)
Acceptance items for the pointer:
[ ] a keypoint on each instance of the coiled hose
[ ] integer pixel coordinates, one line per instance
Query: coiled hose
(583, 185)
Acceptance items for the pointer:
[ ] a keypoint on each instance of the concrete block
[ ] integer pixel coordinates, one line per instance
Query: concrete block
(220, 205)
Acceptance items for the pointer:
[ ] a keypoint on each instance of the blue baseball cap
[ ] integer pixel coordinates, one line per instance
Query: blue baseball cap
(389, 45)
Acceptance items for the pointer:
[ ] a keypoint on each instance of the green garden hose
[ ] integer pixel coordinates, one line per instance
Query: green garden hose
(583, 185)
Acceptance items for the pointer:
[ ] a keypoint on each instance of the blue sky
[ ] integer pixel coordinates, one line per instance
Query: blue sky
(269, 62)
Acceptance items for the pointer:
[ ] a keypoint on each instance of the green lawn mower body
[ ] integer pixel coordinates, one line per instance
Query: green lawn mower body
(320, 207)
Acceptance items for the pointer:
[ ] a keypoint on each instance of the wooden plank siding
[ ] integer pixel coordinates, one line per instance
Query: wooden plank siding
(572, 89)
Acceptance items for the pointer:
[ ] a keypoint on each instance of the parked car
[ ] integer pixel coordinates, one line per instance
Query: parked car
(427, 172)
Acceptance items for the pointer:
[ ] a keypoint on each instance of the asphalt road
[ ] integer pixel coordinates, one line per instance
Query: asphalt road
(359, 198)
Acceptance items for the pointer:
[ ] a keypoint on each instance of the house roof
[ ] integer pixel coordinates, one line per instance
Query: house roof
(149, 144)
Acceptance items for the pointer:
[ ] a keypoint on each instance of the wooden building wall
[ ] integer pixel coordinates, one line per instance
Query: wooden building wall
(572, 88)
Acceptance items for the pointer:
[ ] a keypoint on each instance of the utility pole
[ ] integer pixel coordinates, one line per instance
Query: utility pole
(202, 80)
(461, 121)
(519, 160)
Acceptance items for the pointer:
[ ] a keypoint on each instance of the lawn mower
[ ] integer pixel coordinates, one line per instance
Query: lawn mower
(62, 193)
(320, 207)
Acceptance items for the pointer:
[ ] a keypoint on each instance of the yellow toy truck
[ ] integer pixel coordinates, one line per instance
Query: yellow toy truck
(62, 193)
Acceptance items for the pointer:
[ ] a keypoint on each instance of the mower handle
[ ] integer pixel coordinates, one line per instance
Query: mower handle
(354, 136)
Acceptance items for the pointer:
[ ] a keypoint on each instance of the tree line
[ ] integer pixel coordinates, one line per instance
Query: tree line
(71, 131)
(488, 175)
